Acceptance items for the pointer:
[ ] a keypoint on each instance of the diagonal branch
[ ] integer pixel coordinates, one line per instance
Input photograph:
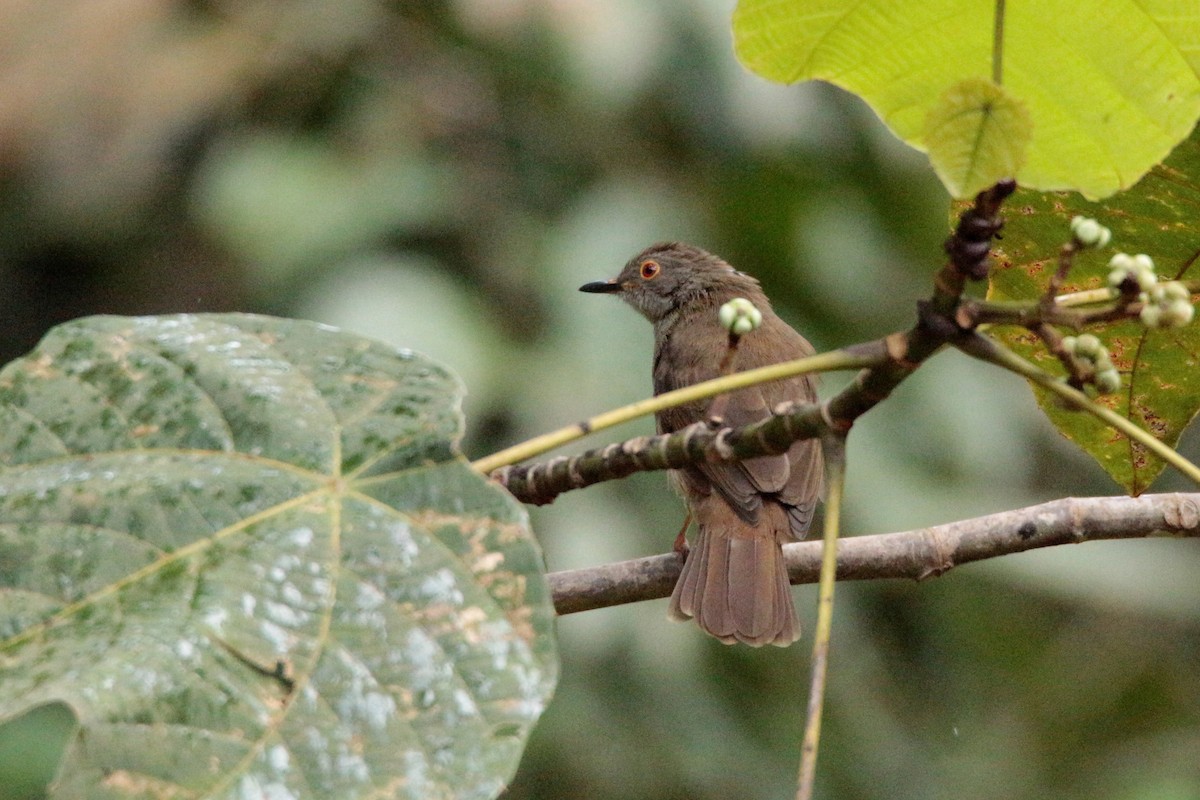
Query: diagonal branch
(888, 362)
(895, 358)
(915, 555)
(987, 349)
(542, 482)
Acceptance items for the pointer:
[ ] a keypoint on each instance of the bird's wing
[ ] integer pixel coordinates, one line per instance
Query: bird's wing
(793, 478)
(805, 485)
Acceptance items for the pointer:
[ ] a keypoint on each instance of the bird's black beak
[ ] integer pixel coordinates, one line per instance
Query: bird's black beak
(601, 287)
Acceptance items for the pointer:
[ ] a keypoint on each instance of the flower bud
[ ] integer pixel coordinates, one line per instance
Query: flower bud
(1176, 314)
(1090, 233)
(1088, 346)
(742, 326)
(1121, 261)
(1175, 290)
(1146, 279)
(1108, 381)
(739, 316)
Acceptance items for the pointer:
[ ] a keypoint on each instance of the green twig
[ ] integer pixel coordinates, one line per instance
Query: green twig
(989, 350)
(998, 44)
(836, 360)
(1086, 297)
(834, 449)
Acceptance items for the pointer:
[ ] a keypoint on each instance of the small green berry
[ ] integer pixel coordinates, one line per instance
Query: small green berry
(1108, 381)
(1089, 233)
(1088, 346)
(742, 326)
(1151, 315)
(1146, 279)
(1176, 314)
(1068, 344)
(727, 314)
(1143, 261)
(1174, 290)
(1121, 261)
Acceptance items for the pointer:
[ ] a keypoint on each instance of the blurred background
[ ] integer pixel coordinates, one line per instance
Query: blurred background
(443, 176)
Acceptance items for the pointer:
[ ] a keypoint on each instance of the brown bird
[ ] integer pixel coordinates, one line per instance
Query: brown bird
(733, 582)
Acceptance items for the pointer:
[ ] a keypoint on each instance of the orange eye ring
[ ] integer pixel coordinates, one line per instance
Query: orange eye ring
(650, 269)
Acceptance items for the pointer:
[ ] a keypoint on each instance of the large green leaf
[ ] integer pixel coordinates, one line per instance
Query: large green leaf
(246, 555)
(977, 134)
(1109, 87)
(1160, 369)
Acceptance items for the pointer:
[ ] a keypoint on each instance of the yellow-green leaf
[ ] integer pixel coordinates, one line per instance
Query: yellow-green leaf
(977, 135)
(1110, 87)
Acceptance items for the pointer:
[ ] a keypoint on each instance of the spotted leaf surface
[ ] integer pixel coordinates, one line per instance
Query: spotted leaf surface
(246, 555)
(1160, 389)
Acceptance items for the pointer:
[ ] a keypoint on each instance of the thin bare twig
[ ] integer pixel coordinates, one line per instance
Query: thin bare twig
(986, 349)
(834, 449)
(838, 359)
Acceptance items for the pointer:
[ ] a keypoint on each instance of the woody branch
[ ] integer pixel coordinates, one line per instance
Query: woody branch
(914, 555)
(892, 359)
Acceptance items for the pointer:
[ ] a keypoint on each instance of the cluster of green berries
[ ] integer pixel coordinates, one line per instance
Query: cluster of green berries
(1168, 305)
(1140, 268)
(739, 316)
(1088, 349)
(1164, 305)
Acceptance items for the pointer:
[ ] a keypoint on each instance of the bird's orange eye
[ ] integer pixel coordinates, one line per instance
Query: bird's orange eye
(650, 269)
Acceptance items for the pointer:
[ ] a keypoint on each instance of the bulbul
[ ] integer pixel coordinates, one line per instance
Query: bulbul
(733, 582)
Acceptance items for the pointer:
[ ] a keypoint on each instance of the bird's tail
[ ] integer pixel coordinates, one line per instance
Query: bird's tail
(737, 589)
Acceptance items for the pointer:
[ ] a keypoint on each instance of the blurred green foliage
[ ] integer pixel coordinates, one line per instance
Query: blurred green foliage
(443, 176)
(31, 746)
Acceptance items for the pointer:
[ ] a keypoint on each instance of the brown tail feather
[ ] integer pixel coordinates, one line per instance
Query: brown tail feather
(737, 590)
